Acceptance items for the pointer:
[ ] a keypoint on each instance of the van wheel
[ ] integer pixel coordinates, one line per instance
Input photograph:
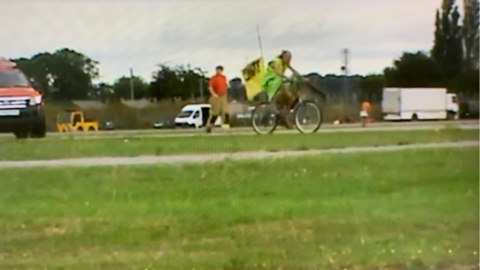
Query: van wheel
(80, 129)
(414, 117)
(91, 129)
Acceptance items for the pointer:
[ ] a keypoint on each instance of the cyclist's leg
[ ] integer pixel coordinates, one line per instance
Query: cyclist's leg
(279, 98)
(272, 88)
(282, 102)
(287, 98)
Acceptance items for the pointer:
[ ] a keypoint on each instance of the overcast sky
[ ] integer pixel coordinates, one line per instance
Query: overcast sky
(143, 33)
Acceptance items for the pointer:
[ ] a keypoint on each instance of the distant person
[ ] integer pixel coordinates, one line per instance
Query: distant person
(365, 113)
(218, 86)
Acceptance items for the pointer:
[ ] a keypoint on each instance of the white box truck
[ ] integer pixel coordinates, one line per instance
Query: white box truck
(418, 104)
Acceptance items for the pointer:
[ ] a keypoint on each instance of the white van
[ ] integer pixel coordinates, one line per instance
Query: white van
(195, 115)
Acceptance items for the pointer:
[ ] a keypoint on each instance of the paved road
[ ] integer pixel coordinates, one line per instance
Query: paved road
(205, 158)
(327, 128)
(240, 133)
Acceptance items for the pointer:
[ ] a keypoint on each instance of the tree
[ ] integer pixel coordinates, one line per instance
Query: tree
(372, 86)
(470, 33)
(72, 73)
(414, 70)
(121, 88)
(476, 50)
(102, 91)
(65, 74)
(36, 69)
(438, 50)
(448, 46)
(467, 82)
(178, 82)
(165, 83)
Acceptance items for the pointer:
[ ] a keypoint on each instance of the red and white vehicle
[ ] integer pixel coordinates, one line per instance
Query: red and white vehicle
(21, 105)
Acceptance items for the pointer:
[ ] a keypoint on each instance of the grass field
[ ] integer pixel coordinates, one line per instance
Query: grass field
(70, 148)
(412, 209)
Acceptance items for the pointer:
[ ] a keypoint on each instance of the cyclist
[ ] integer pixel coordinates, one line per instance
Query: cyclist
(272, 84)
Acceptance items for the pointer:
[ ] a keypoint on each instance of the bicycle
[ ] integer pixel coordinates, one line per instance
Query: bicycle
(302, 110)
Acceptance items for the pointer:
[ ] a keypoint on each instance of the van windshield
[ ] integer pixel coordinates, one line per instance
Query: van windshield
(13, 78)
(185, 114)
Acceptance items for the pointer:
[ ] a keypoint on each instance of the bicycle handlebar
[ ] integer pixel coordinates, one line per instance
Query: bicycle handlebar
(307, 82)
(294, 79)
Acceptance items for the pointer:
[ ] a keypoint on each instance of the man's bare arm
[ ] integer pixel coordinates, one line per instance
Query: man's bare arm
(212, 92)
(295, 72)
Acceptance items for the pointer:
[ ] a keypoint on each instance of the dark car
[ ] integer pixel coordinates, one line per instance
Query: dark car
(107, 125)
(165, 123)
(469, 109)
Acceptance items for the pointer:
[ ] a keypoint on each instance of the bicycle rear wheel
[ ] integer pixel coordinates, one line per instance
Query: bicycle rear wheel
(308, 117)
(264, 119)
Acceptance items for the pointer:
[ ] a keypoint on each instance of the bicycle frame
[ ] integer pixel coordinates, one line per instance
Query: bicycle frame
(293, 82)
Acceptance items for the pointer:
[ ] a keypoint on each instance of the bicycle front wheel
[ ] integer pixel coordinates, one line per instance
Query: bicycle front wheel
(308, 117)
(264, 119)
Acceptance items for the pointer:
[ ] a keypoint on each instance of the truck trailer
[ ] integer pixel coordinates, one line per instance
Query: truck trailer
(400, 104)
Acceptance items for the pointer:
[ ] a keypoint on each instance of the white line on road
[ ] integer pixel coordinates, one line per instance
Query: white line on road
(217, 157)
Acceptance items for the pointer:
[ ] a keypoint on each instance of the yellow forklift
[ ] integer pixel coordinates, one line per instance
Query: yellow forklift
(74, 121)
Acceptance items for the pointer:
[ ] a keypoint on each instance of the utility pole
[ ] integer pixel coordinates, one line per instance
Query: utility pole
(345, 70)
(132, 96)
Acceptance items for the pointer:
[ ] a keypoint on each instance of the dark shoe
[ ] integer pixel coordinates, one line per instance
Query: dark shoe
(209, 129)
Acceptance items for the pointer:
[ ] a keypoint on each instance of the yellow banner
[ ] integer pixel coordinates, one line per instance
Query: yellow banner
(253, 74)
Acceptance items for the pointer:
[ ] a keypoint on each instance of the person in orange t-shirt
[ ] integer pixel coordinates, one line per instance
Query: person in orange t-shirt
(218, 87)
(366, 109)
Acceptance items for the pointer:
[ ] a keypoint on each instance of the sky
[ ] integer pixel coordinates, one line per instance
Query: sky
(140, 34)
